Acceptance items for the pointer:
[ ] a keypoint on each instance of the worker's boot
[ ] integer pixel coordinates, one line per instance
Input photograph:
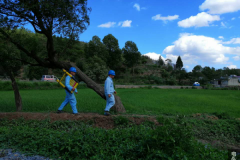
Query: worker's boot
(106, 113)
(59, 111)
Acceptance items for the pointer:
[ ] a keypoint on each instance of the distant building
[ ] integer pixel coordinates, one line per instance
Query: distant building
(232, 80)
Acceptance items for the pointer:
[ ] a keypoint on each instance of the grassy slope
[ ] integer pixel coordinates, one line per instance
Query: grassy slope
(137, 101)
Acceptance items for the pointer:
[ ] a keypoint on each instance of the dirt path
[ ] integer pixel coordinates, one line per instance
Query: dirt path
(98, 120)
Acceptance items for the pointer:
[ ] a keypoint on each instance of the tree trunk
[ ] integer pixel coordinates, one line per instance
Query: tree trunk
(18, 99)
(118, 107)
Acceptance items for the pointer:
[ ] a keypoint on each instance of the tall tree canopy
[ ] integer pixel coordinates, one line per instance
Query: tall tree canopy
(131, 54)
(179, 63)
(67, 18)
(160, 61)
(115, 54)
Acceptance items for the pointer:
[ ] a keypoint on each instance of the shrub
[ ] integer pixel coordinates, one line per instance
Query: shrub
(75, 140)
(120, 120)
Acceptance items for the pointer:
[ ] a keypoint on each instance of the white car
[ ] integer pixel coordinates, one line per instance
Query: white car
(50, 78)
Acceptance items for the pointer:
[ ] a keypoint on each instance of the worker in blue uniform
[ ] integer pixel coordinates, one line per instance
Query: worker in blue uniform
(70, 97)
(109, 92)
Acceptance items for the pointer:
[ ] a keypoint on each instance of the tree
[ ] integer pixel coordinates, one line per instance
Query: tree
(115, 54)
(179, 63)
(208, 72)
(11, 67)
(97, 48)
(168, 60)
(197, 68)
(131, 54)
(181, 74)
(160, 61)
(196, 73)
(65, 18)
(96, 69)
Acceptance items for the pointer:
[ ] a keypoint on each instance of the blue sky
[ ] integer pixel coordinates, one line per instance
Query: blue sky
(202, 32)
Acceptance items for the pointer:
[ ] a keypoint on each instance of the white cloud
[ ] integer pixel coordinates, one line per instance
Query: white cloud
(233, 18)
(200, 20)
(153, 55)
(221, 37)
(236, 58)
(137, 6)
(126, 23)
(232, 67)
(233, 41)
(107, 25)
(195, 48)
(223, 25)
(168, 18)
(220, 6)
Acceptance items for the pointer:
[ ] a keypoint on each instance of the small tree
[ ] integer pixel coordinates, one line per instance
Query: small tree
(160, 61)
(179, 63)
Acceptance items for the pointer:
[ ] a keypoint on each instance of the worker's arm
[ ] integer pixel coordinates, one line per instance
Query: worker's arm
(107, 87)
(76, 90)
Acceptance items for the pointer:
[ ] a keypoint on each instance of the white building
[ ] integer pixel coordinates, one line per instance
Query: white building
(230, 81)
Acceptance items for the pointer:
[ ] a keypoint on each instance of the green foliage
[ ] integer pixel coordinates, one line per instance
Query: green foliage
(160, 61)
(179, 63)
(224, 130)
(74, 140)
(115, 53)
(97, 48)
(222, 115)
(121, 121)
(131, 54)
(68, 18)
(96, 69)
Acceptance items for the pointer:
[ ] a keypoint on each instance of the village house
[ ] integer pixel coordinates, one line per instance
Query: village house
(230, 81)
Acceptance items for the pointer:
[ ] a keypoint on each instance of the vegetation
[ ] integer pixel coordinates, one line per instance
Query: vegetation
(137, 101)
(73, 140)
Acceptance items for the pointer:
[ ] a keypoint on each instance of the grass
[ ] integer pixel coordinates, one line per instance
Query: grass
(136, 101)
(174, 140)
(177, 101)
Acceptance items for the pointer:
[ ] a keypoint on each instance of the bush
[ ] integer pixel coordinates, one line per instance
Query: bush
(120, 120)
(75, 140)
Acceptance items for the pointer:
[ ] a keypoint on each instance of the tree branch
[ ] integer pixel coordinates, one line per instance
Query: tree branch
(36, 58)
(25, 62)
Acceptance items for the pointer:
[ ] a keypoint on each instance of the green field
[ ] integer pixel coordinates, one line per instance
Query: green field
(136, 101)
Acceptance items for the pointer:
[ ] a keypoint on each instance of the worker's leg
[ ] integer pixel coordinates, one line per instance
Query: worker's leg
(73, 103)
(64, 103)
(110, 102)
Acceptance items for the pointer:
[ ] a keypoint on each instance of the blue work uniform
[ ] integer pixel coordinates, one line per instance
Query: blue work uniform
(109, 89)
(70, 97)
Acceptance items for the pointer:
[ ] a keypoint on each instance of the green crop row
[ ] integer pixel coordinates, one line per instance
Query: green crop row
(75, 140)
(136, 101)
